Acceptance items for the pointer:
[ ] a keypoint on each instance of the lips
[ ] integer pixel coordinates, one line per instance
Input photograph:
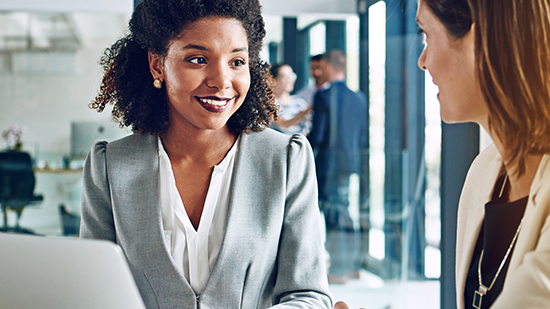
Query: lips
(214, 104)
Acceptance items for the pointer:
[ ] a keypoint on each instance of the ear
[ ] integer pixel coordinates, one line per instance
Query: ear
(156, 66)
(469, 39)
(472, 30)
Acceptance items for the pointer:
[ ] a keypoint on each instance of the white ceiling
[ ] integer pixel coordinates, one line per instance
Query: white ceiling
(57, 31)
(275, 7)
(114, 6)
(66, 25)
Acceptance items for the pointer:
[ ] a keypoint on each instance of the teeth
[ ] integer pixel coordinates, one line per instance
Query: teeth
(214, 102)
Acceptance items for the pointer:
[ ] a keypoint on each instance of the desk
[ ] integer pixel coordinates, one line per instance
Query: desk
(58, 186)
(57, 170)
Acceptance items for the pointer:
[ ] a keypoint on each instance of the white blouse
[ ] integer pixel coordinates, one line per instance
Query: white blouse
(195, 251)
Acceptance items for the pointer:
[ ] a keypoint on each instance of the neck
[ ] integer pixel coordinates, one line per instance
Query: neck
(519, 185)
(338, 77)
(197, 145)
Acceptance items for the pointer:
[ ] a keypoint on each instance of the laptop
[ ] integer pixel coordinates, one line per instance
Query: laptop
(62, 273)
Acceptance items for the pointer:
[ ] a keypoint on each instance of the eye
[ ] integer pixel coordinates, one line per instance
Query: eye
(423, 34)
(238, 63)
(198, 60)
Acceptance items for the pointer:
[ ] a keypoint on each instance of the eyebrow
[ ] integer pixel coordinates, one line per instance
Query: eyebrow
(199, 47)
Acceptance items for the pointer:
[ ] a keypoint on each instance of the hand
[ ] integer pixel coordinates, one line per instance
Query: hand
(341, 305)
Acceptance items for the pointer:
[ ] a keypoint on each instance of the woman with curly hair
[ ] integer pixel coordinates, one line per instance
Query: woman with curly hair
(211, 208)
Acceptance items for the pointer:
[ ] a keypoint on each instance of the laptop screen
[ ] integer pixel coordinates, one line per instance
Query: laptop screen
(43, 272)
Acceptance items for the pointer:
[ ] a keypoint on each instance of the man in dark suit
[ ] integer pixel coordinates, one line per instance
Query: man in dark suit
(338, 137)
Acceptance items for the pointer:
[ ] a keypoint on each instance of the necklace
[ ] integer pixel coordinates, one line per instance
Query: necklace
(483, 290)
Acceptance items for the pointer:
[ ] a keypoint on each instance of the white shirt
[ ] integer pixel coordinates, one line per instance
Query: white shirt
(195, 251)
(308, 93)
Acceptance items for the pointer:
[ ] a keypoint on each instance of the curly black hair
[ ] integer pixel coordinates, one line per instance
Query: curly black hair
(128, 83)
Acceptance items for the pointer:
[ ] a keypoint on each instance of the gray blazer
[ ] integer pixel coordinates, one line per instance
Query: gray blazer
(272, 252)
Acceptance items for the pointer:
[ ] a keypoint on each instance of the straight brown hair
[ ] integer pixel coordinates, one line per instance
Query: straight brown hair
(512, 52)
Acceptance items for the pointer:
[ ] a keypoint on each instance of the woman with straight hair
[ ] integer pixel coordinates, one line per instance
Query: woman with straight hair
(211, 208)
(491, 62)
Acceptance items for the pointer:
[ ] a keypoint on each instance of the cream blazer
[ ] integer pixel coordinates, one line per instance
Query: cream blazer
(527, 282)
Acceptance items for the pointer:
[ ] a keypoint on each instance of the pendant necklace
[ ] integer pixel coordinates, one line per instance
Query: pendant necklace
(483, 290)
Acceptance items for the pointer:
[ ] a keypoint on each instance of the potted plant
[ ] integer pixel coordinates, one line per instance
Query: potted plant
(13, 136)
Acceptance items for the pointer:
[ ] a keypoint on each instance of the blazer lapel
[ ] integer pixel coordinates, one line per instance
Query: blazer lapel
(474, 213)
(533, 219)
(231, 257)
(134, 179)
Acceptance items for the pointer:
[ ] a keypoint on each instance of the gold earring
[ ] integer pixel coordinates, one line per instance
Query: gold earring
(157, 83)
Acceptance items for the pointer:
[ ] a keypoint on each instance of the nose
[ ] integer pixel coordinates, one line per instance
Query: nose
(422, 60)
(219, 76)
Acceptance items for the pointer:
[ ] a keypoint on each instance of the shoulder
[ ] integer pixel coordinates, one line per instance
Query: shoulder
(358, 96)
(540, 187)
(484, 159)
(305, 91)
(481, 176)
(361, 95)
(273, 155)
(133, 141)
(270, 146)
(321, 96)
(127, 149)
(271, 141)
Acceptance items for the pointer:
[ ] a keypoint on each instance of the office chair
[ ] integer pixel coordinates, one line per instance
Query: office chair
(70, 223)
(16, 187)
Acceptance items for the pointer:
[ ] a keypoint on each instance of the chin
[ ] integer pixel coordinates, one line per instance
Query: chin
(446, 118)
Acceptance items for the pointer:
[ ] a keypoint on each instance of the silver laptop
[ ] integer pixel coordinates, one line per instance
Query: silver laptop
(63, 273)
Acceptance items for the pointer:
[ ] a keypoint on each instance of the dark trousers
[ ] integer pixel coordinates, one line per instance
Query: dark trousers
(342, 238)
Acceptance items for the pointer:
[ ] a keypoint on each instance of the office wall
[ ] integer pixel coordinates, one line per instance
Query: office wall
(45, 103)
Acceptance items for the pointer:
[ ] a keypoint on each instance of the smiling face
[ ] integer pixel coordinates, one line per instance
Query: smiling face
(451, 63)
(206, 73)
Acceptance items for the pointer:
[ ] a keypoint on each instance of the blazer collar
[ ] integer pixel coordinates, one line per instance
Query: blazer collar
(531, 219)
(474, 217)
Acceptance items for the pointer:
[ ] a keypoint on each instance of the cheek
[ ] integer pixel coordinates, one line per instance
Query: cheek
(178, 84)
(176, 91)
(433, 64)
(243, 85)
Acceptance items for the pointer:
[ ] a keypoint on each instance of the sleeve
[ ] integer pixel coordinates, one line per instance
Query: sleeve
(319, 122)
(529, 285)
(301, 103)
(97, 217)
(301, 279)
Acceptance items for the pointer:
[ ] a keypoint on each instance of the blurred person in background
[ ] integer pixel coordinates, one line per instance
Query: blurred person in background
(316, 71)
(338, 137)
(293, 111)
